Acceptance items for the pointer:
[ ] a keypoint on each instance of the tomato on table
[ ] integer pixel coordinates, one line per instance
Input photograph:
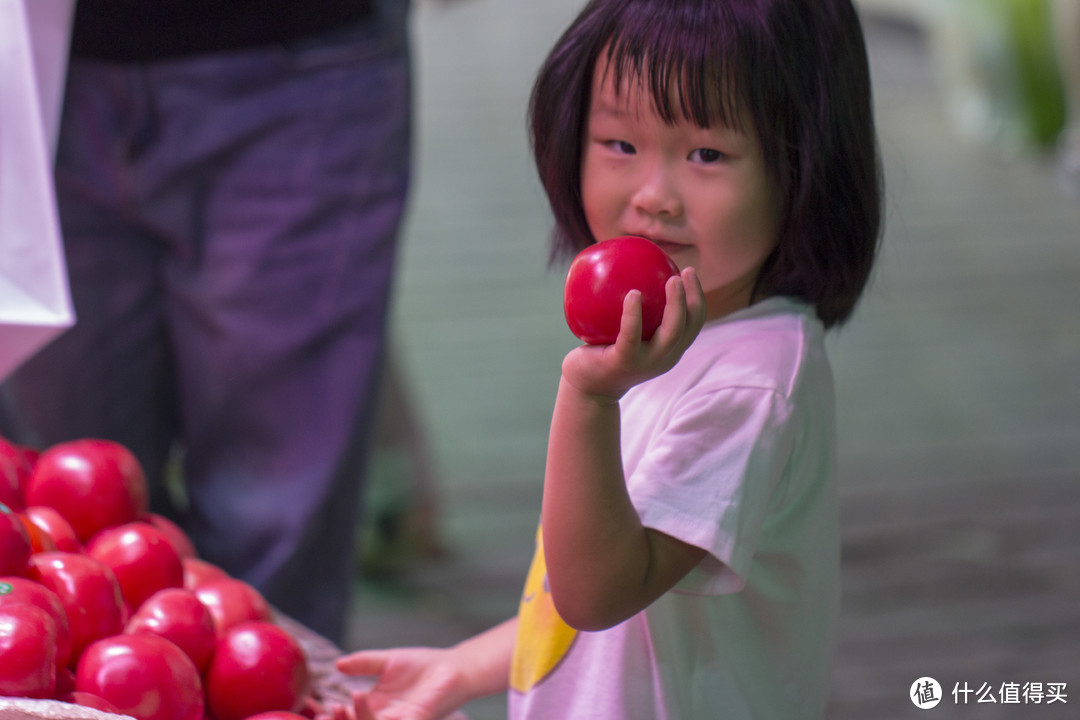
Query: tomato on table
(145, 676)
(93, 484)
(16, 591)
(142, 557)
(178, 615)
(232, 601)
(27, 652)
(257, 667)
(88, 591)
(55, 526)
(15, 547)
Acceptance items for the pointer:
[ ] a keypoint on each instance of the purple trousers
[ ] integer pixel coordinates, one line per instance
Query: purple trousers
(230, 224)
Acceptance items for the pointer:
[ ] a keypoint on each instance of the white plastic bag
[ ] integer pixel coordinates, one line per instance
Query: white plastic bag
(35, 300)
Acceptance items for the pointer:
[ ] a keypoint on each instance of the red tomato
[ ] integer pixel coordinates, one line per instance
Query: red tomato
(29, 454)
(22, 591)
(65, 680)
(15, 545)
(198, 572)
(10, 448)
(142, 558)
(75, 697)
(40, 541)
(257, 667)
(178, 615)
(232, 601)
(11, 489)
(599, 278)
(55, 526)
(88, 591)
(94, 484)
(179, 539)
(277, 715)
(22, 459)
(27, 652)
(144, 676)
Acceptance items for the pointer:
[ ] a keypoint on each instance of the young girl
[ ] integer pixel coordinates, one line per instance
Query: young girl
(687, 564)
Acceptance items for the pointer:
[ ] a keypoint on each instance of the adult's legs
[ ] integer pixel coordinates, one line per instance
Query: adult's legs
(287, 206)
(230, 223)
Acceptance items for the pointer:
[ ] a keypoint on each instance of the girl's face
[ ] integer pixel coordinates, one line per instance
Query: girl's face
(700, 194)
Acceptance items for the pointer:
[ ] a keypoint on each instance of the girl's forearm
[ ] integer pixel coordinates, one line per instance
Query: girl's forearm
(485, 660)
(594, 544)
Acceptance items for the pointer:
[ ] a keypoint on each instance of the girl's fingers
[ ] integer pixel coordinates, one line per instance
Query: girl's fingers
(695, 299)
(367, 662)
(630, 323)
(674, 319)
(684, 315)
(335, 711)
(361, 708)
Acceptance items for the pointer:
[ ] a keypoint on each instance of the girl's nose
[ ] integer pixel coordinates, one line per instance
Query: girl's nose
(657, 194)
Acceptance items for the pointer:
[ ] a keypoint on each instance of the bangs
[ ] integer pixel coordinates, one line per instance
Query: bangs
(793, 71)
(694, 68)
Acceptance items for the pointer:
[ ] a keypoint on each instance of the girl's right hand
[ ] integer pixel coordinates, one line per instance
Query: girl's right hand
(410, 683)
(606, 372)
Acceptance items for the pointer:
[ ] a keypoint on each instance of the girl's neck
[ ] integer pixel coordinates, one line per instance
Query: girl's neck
(722, 301)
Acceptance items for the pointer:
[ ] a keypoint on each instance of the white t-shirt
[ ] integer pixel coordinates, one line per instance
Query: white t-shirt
(731, 451)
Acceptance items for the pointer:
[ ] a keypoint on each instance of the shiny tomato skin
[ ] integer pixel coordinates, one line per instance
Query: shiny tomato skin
(22, 454)
(65, 680)
(11, 487)
(22, 460)
(85, 699)
(27, 652)
(144, 676)
(599, 278)
(15, 547)
(40, 541)
(29, 454)
(55, 526)
(199, 572)
(89, 592)
(93, 484)
(178, 615)
(180, 540)
(142, 557)
(257, 667)
(232, 601)
(23, 591)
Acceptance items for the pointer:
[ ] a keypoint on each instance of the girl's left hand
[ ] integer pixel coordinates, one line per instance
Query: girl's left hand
(606, 372)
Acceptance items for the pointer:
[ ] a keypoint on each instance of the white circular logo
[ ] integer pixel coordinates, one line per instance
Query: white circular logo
(925, 693)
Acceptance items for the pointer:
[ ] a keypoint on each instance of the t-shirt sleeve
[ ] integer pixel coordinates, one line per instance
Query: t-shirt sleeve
(709, 477)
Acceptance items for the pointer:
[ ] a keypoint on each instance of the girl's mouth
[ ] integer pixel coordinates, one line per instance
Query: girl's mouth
(670, 247)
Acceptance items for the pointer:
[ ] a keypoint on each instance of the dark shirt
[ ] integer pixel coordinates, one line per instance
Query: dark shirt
(144, 30)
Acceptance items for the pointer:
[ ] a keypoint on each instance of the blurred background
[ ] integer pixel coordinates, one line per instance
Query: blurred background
(958, 395)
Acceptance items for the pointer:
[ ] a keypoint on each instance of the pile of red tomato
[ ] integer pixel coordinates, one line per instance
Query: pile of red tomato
(106, 605)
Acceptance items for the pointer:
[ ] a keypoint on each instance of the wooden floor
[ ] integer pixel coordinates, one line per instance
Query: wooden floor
(959, 401)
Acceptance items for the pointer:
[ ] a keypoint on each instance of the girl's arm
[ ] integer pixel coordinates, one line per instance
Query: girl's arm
(603, 566)
(422, 683)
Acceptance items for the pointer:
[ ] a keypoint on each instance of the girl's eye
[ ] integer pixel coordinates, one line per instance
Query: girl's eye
(707, 155)
(621, 146)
